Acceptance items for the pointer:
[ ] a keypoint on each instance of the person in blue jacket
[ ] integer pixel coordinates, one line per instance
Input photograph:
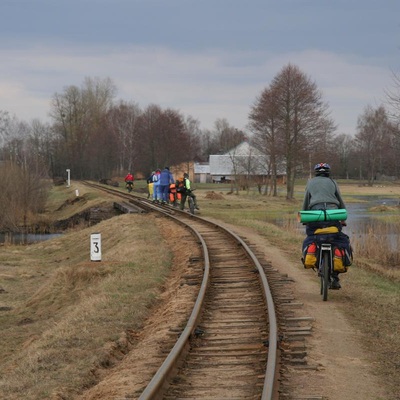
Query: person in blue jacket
(156, 186)
(166, 178)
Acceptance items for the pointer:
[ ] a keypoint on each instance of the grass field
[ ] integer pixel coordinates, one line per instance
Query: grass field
(60, 312)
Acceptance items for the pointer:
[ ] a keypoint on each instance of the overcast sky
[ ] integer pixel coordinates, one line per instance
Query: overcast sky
(207, 58)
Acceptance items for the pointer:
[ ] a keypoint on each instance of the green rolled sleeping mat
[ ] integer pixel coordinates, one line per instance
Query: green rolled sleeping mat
(322, 215)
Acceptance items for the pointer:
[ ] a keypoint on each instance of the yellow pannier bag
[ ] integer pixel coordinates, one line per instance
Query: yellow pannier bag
(310, 254)
(339, 260)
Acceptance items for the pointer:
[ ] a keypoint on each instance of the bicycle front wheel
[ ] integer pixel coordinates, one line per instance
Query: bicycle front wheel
(191, 205)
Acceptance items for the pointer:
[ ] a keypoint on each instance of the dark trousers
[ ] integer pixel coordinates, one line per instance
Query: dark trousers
(183, 199)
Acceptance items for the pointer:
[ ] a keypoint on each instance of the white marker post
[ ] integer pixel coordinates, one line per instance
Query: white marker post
(95, 247)
(68, 178)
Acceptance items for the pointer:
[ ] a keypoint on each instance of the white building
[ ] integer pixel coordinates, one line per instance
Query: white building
(202, 172)
(243, 160)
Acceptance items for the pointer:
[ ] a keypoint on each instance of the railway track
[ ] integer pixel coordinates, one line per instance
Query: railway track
(228, 349)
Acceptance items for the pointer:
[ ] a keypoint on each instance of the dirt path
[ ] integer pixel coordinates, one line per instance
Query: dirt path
(344, 369)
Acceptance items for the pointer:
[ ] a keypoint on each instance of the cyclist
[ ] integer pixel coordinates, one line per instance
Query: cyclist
(187, 191)
(129, 180)
(322, 193)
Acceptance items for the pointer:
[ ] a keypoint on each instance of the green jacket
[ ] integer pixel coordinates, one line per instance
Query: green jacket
(187, 183)
(322, 189)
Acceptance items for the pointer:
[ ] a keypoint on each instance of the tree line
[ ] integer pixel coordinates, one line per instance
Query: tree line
(95, 135)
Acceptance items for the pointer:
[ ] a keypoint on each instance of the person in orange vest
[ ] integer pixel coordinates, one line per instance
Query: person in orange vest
(173, 194)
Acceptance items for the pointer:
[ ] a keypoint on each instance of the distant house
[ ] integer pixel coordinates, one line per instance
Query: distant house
(202, 173)
(242, 161)
(198, 172)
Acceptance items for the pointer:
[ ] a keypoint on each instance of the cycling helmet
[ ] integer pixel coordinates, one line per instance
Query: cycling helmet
(322, 169)
(185, 175)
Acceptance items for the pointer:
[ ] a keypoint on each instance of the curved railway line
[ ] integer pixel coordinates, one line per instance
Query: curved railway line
(229, 347)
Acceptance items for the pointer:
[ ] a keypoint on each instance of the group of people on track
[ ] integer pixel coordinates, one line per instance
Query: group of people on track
(164, 189)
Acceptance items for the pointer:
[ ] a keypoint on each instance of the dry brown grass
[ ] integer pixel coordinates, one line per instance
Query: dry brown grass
(371, 302)
(66, 311)
(376, 253)
(69, 315)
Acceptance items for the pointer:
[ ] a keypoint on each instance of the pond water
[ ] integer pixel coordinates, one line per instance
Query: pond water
(359, 219)
(26, 238)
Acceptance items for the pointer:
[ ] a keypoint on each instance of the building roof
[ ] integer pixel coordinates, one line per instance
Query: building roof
(244, 159)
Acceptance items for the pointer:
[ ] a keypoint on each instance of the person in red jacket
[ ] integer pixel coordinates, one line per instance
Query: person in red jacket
(129, 178)
(129, 181)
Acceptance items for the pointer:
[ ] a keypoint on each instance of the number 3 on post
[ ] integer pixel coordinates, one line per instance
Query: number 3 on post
(95, 247)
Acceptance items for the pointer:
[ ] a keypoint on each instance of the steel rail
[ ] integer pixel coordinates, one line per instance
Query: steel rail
(269, 381)
(268, 389)
(160, 378)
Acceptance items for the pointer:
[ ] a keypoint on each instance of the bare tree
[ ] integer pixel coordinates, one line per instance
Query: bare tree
(149, 128)
(341, 150)
(193, 131)
(235, 163)
(124, 124)
(78, 116)
(226, 136)
(4, 126)
(23, 194)
(206, 139)
(302, 118)
(393, 99)
(373, 136)
(252, 167)
(221, 139)
(173, 138)
(39, 148)
(263, 124)
(165, 138)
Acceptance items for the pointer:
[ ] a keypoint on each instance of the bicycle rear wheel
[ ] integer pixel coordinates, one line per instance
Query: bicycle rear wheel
(325, 276)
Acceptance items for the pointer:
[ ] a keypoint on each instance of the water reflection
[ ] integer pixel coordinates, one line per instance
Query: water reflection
(360, 220)
(26, 238)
